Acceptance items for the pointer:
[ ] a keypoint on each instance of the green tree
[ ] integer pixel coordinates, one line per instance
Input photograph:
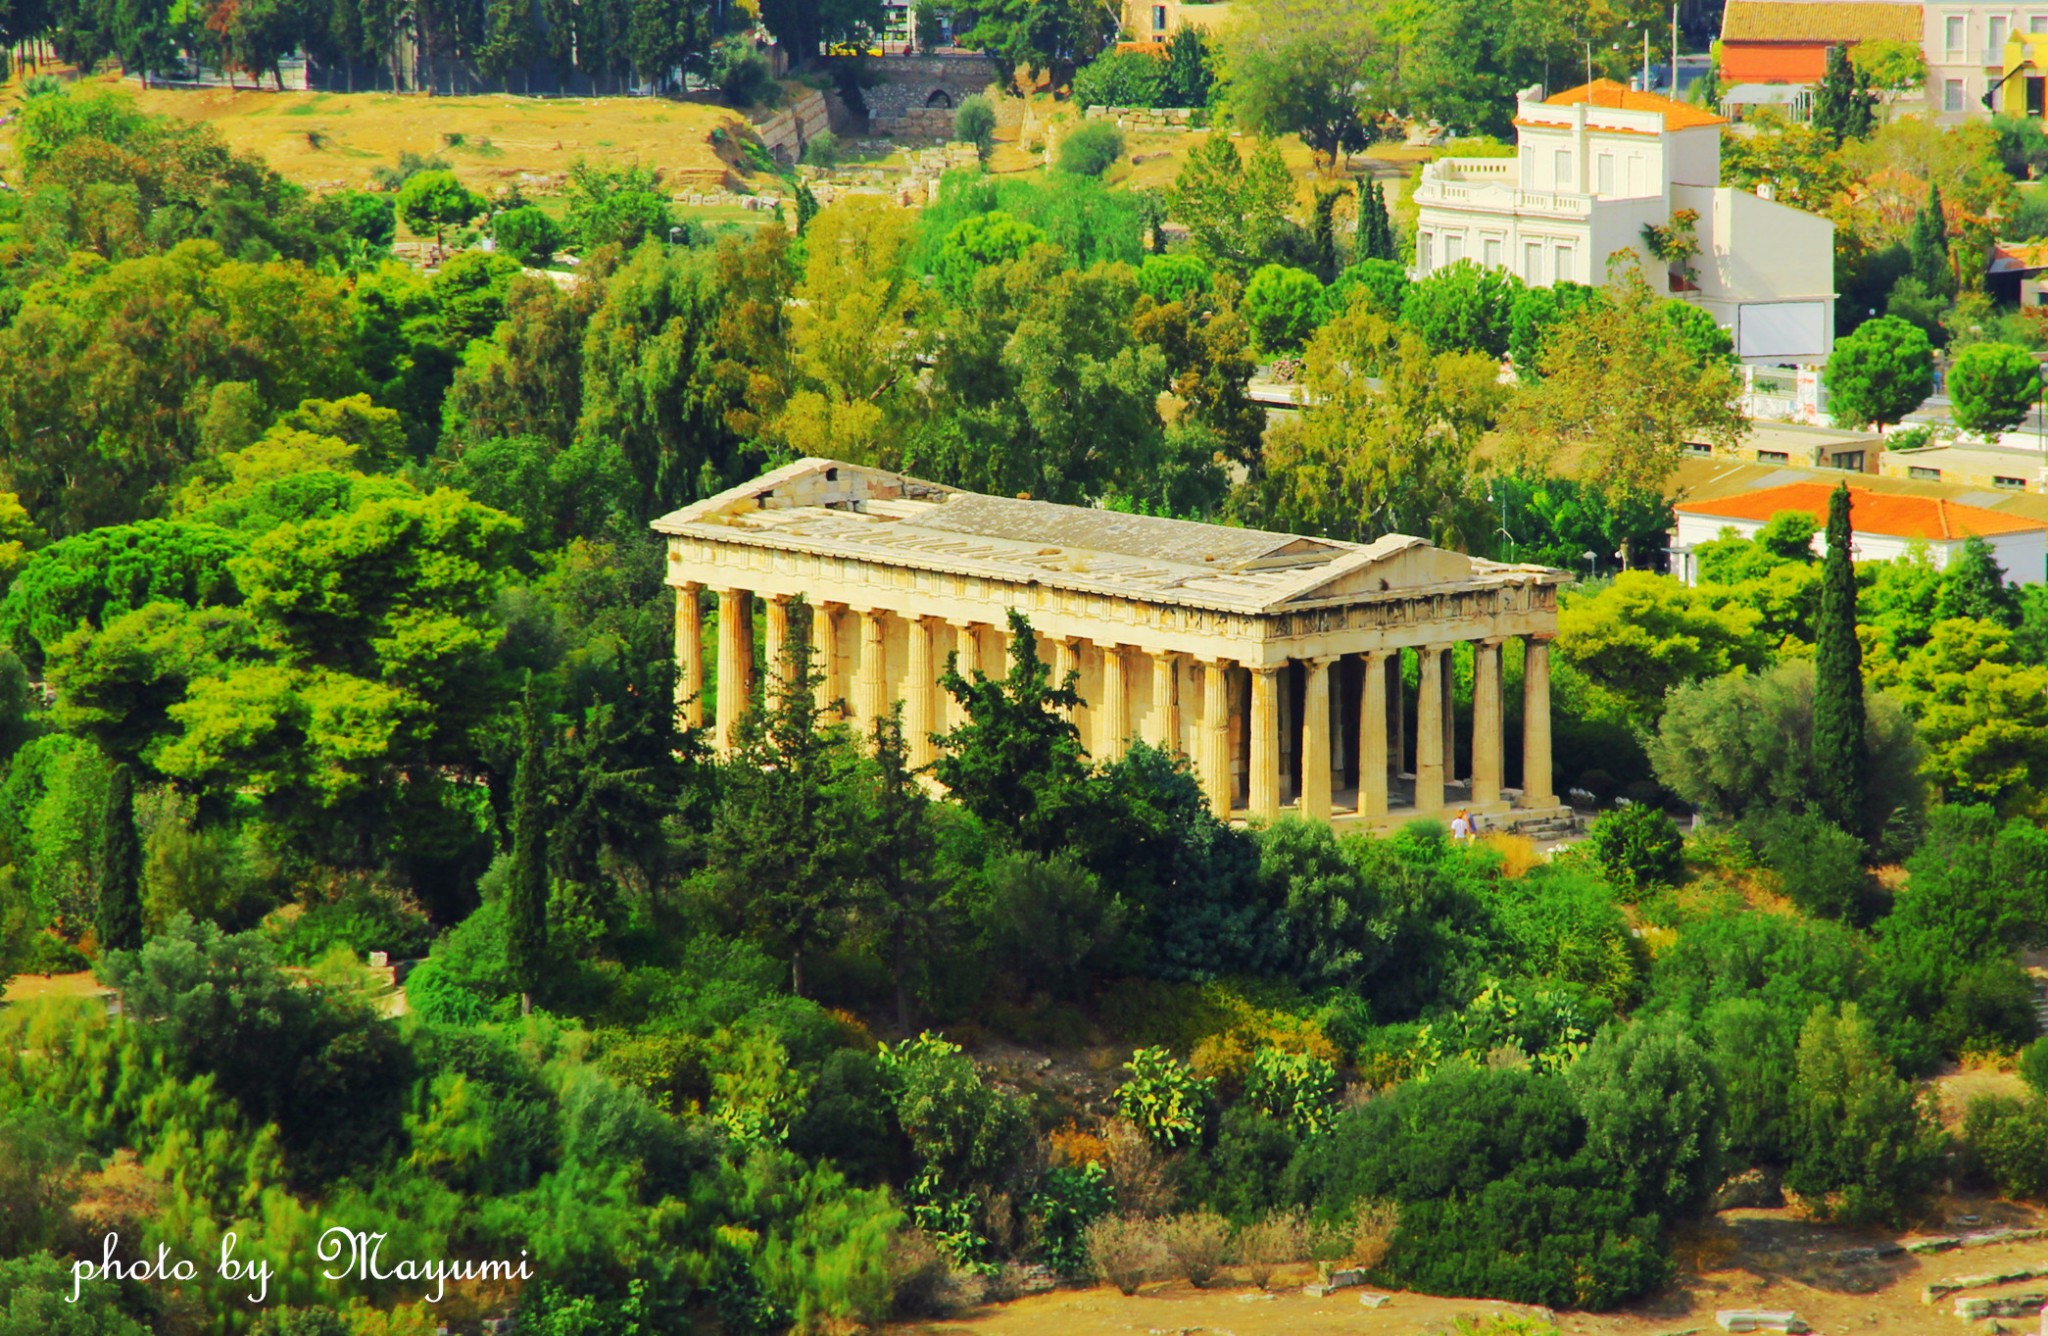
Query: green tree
(974, 122)
(1092, 149)
(1375, 227)
(1638, 847)
(1190, 68)
(1879, 372)
(436, 201)
(795, 775)
(902, 847)
(1464, 307)
(1296, 68)
(526, 889)
(620, 206)
(1927, 247)
(1992, 385)
(1235, 207)
(1644, 635)
(1843, 105)
(1840, 754)
(119, 921)
(977, 243)
(1016, 761)
(1282, 304)
(1974, 586)
(529, 235)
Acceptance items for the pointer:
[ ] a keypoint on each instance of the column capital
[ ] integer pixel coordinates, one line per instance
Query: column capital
(1264, 669)
(1540, 637)
(1321, 660)
(1493, 642)
(690, 586)
(1438, 646)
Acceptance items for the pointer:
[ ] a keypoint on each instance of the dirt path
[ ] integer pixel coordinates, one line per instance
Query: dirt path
(1742, 1259)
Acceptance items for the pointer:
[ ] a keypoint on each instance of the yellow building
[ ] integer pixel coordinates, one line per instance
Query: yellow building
(2024, 89)
(1152, 22)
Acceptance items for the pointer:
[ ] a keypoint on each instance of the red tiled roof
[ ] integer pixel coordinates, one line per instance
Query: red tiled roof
(1608, 93)
(1884, 513)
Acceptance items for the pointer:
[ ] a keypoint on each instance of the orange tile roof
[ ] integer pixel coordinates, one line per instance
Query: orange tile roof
(1835, 22)
(1870, 512)
(1608, 93)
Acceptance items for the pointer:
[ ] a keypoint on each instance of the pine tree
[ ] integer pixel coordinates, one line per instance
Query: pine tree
(119, 921)
(526, 893)
(1840, 759)
(904, 843)
(1927, 248)
(1843, 105)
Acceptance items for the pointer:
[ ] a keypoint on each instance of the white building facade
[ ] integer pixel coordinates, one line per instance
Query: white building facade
(1964, 44)
(1593, 167)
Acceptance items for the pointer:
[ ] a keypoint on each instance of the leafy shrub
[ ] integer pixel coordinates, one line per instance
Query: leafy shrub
(975, 123)
(2033, 1065)
(957, 1124)
(528, 235)
(1070, 1202)
(1140, 1176)
(2008, 1143)
(822, 149)
(1197, 1244)
(1364, 1239)
(1121, 79)
(1296, 1088)
(1174, 277)
(1278, 1240)
(1819, 865)
(1163, 1098)
(1865, 1146)
(363, 922)
(1989, 1008)
(1091, 150)
(1126, 1251)
(1638, 847)
(742, 74)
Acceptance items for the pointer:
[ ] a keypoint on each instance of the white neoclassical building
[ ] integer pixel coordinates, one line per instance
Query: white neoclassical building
(1592, 167)
(1273, 661)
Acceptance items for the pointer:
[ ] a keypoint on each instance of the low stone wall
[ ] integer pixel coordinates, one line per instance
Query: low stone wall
(1145, 118)
(787, 131)
(920, 123)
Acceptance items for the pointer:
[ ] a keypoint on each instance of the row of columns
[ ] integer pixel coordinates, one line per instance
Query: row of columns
(1382, 716)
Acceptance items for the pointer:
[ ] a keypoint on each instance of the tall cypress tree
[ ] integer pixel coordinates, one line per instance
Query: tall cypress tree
(1927, 248)
(1375, 228)
(1840, 760)
(526, 893)
(119, 921)
(1843, 105)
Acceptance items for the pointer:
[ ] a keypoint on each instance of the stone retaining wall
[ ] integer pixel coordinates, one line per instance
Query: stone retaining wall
(918, 92)
(787, 131)
(1146, 118)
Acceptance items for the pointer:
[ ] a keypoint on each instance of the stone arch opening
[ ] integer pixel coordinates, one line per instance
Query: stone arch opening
(940, 99)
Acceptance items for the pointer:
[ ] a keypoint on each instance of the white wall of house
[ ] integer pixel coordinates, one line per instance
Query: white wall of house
(2023, 556)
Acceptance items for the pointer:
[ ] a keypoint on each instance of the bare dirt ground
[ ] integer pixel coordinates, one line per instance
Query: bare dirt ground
(1741, 1259)
(26, 986)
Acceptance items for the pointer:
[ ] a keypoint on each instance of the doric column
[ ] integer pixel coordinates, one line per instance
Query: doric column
(1315, 740)
(735, 664)
(1537, 781)
(1397, 711)
(919, 681)
(1216, 736)
(1372, 734)
(776, 642)
(1113, 711)
(1429, 732)
(1066, 658)
(966, 662)
(1265, 749)
(872, 694)
(1486, 721)
(825, 654)
(1450, 690)
(1165, 700)
(690, 655)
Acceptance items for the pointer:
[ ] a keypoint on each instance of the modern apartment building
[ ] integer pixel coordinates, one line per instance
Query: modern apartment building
(1597, 165)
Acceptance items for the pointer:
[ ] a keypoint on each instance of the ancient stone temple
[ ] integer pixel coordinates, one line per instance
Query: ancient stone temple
(1274, 662)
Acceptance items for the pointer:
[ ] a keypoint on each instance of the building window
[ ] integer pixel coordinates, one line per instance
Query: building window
(1924, 474)
(1773, 457)
(1425, 251)
(2037, 23)
(1852, 460)
(1994, 31)
(2009, 484)
(1636, 188)
(1159, 18)
(1563, 270)
(1952, 95)
(1454, 247)
(1490, 248)
(1606, 166)
(1698, 448)
(1532, 262)
(1561, 170)
(1954, 33)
